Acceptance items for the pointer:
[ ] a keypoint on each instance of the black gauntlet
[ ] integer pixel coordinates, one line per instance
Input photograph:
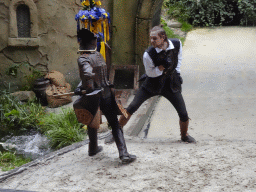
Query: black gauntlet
(78, 91)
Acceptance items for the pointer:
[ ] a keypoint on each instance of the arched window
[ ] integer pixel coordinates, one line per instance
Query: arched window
(23, 24)
(23, 21)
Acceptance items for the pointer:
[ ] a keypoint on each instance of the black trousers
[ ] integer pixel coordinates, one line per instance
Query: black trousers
(176, 100)
(107, 106)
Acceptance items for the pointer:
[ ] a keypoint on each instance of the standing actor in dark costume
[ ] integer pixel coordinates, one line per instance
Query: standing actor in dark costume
(162, 63)
(93, 74)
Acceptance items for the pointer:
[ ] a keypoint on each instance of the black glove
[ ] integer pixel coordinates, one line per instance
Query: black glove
(181, 80)
(78, 91)
(111, 85)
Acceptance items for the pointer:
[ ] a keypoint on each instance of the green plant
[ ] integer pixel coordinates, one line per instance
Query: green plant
(169, 32)
(185, 26)
(177, 10)
(17, 117)
(30, 76)
(62, 129)
(13, 70)
(10, 160)
(213, 12)
(248, 10)
(30, 79)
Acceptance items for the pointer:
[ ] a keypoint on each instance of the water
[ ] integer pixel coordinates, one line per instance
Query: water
(32, 146)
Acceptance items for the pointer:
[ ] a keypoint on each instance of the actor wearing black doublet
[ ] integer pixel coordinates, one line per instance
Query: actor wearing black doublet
(162, 63)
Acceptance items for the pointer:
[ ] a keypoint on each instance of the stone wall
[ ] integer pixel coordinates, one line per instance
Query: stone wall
(53, 43)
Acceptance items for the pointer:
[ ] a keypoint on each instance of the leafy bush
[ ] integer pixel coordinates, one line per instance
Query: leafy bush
(17, 117)
(213, 12)
(248, 9)
(30, 76)
(185, 26)
(62, 129)
(169, 32)
(30, 79)
(177, 10)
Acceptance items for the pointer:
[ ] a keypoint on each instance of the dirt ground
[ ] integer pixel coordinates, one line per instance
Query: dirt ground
(219, 81)
(162, 165)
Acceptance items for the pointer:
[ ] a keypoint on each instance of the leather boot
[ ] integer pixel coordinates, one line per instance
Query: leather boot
(123, 120)
(93, 144)
(185, 137)
(120, 143)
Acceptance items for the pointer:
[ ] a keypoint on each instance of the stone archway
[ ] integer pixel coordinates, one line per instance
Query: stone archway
(148, 16)
(131, 23)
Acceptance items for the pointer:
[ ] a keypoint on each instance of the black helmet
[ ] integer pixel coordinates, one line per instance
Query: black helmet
(86, 39)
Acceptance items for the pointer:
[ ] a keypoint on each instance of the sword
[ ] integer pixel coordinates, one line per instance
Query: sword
(95, 92)
(67, 94)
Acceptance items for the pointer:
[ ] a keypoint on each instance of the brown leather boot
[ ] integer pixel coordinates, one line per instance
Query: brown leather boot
(123, 120)
(185, 137)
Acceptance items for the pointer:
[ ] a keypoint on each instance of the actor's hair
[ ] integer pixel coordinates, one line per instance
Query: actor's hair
(160, 31)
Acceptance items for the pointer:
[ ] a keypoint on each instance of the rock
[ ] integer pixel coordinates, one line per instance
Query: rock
(7, 146)
(24, 95)
(178, 31)
(173, 24)
(103, 128)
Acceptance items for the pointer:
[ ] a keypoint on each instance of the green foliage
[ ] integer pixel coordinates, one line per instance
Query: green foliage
(177, 10)
(74, 84)
(213, 12)
(10, 160)
(169, 32)
(62, 129)
(17, 117)
(248, 9)
(13, 70)
(29, 77)
(185, 26)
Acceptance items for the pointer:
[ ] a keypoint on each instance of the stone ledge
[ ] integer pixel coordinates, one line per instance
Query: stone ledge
(28, 42)
(140, 117)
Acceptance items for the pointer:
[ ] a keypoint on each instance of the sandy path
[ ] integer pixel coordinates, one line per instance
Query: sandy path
(163, 165)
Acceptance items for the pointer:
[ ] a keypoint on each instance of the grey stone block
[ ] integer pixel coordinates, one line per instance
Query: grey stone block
(174, 24)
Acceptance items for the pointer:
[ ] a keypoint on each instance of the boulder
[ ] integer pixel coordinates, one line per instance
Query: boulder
(103, 128)
(24, 95)
(174, 24)
(7, 147)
